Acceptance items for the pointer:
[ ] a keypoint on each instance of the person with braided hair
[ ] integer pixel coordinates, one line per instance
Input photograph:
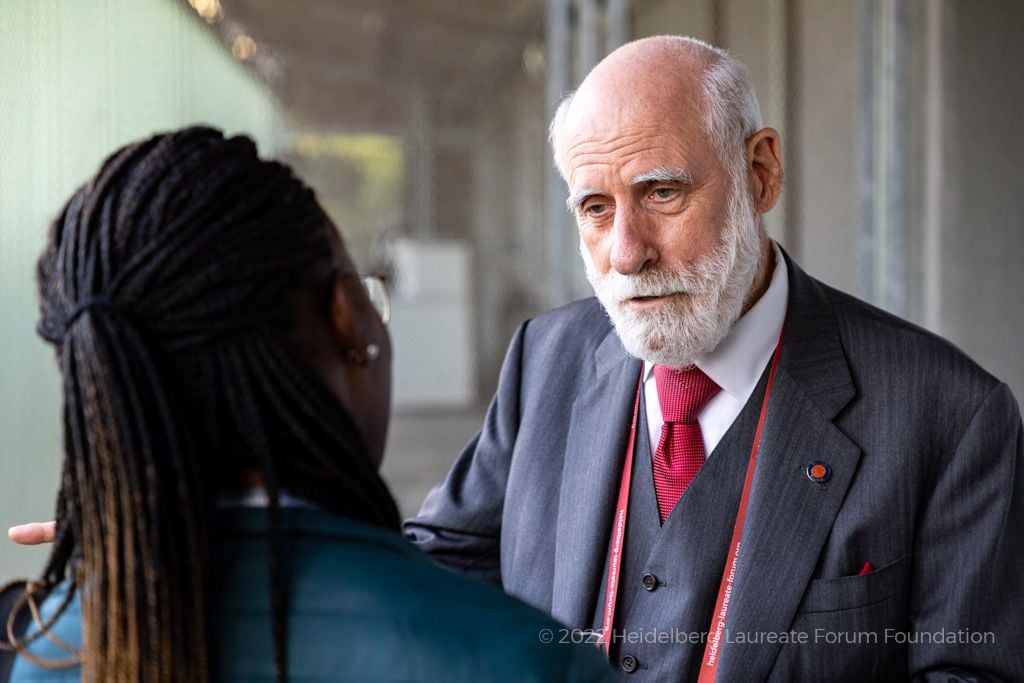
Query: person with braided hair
(226, 391)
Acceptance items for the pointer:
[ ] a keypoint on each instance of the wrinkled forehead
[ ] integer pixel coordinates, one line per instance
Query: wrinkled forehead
(631, 129)
(639, 94)
(591, 117)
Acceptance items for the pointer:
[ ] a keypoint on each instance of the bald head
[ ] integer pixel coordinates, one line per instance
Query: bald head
(663, 77)
(659, 69)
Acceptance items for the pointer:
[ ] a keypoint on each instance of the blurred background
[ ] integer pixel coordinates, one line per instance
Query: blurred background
(422, 124)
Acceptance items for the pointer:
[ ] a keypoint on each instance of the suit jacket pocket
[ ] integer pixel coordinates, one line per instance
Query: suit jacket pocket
(851, 592)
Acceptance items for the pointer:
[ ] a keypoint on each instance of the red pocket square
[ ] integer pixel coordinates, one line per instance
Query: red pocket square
(866, 569)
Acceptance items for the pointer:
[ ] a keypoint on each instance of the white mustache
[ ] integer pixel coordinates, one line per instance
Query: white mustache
(621, 288)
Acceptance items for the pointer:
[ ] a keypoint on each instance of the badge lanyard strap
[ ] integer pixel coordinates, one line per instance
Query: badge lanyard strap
(715, 643)
(619, 529)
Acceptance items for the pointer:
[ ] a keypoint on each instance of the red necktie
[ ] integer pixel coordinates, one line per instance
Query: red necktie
(682, 394)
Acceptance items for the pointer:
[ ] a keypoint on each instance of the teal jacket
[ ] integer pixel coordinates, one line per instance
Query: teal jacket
(365, 606)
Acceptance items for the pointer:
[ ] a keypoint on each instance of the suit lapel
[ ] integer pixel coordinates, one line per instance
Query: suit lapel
(595, 450)
(790, 516)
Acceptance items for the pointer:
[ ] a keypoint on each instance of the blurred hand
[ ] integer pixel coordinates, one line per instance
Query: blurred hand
(34, 533)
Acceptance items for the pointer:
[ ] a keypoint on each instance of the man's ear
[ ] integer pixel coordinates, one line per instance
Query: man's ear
(764, 162)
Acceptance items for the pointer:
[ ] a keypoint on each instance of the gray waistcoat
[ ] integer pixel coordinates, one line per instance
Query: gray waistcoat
(670, 574)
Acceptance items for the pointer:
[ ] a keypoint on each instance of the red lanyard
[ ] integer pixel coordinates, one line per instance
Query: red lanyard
(715, 643)
(619, 529)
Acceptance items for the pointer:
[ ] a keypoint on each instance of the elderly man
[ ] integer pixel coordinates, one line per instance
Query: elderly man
(721, 466)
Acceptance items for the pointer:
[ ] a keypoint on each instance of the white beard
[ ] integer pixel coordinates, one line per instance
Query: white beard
(678, 331)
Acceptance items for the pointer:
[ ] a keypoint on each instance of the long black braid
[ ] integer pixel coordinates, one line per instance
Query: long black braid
(167, 286)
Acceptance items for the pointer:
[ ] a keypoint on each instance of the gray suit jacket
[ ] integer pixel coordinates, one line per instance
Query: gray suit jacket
(927, 485)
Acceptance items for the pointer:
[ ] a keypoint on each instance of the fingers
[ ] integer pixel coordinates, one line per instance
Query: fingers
(34, 533)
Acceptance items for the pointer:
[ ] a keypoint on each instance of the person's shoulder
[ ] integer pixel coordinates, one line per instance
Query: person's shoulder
(588, 311)
(494, 636)
(371, 592)
(857, 317)
(888, 351)
(580, 323)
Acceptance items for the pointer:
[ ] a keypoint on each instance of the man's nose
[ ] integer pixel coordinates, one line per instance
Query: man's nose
(632, 245)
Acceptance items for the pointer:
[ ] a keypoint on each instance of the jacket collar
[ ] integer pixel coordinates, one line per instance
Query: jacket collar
(789, 517)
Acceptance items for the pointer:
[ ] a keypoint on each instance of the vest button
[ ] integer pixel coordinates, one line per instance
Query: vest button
(650, 582)
(630, 664)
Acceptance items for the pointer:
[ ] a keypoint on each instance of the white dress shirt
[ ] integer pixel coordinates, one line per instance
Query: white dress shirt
(735, 365)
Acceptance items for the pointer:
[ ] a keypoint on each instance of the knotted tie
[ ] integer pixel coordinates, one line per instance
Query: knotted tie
(682, 394)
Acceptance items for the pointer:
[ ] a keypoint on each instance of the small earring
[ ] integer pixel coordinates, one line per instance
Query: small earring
(363, 357)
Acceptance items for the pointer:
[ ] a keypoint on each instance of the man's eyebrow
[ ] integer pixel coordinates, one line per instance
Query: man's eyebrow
(577, 196)
(664, 174)
(660, 174)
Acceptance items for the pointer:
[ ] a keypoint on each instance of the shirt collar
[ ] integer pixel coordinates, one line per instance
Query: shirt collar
(737, 362)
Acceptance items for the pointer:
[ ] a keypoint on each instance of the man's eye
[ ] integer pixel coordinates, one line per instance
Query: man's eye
(595, 209)
(665, 192)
